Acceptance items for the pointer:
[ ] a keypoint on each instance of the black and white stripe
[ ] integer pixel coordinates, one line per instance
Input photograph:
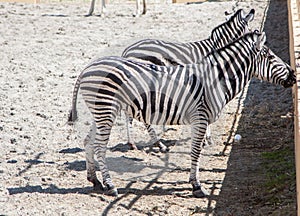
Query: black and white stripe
(167, 53)
(192, 95)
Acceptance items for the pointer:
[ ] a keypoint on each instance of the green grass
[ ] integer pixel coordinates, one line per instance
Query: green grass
(279, 167)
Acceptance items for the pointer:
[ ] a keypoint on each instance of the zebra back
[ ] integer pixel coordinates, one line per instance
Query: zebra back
(167, 53)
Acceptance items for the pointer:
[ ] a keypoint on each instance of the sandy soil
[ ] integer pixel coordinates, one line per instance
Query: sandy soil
(42, 164)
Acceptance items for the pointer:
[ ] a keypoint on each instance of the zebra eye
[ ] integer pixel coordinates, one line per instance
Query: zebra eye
(265, 52)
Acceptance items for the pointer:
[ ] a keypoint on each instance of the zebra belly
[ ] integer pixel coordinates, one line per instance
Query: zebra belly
(158, 114)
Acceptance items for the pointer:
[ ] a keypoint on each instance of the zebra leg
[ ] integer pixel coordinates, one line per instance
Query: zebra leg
(103, 8)
(144, 7)
(129, 132)
(91, 8)
(90, 161)
(100, 146)
(137, 10)
(155, 140)
(208, 139)
(198, 133)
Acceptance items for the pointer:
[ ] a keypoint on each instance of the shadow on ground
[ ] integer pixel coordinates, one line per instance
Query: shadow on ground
(263, 130)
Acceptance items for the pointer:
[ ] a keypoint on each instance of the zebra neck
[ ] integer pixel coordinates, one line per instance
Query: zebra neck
(231, 70)
(204, 47)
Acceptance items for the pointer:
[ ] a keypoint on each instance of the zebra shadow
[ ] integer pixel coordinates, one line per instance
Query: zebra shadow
(129, 164)
(132, 165)
(51, 189)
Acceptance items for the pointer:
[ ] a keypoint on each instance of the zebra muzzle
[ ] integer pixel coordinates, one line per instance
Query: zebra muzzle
(291, 80)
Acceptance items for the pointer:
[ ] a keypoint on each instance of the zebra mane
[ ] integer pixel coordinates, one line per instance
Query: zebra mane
(237, 13)
(244, 37)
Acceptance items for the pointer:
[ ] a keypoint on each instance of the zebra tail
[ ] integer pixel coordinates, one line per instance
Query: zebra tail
(73, 116)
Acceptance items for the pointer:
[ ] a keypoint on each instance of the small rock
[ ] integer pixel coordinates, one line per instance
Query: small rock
(12, 161)
(41, 115)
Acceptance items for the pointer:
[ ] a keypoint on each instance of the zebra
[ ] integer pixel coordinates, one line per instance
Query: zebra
(139, 11)
(192, 94)
(166, 53)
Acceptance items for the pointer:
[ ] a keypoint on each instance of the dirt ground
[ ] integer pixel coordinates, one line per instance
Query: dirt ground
(42, 163)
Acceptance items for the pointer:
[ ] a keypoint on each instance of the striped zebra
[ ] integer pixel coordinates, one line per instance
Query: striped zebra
(191, 94)
(166, 53)
(139, 11)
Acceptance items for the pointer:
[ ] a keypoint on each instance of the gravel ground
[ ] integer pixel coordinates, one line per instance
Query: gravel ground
(42, 163)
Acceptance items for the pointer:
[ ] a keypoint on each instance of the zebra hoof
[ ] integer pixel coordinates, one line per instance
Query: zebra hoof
(200, 192)
(132, 146)
(162, 147)
(111, 191)
(210, 141)
(97, 186)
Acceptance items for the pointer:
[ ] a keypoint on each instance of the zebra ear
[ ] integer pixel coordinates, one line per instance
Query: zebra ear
(261, 41)
(250, 16)
(227, 15)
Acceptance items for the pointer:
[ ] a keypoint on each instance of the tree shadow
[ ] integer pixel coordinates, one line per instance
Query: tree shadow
(143, 146)
(32, 162)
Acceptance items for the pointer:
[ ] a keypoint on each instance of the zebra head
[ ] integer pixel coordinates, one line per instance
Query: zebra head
(235, 27)
(269, 66)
